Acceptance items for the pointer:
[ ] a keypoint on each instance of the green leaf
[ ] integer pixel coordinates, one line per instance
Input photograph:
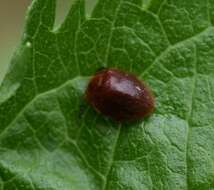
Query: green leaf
(50, 139)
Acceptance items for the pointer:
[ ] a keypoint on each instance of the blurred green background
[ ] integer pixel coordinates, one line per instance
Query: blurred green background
(12, 17)
(11, 24)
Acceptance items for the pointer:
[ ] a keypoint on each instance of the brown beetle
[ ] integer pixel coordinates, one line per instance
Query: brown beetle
(119, 95)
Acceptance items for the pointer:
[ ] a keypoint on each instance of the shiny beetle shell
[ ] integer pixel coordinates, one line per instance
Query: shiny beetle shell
(119, 95)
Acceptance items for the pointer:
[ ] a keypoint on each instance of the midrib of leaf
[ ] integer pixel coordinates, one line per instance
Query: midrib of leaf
(118, 131)
(189, 117)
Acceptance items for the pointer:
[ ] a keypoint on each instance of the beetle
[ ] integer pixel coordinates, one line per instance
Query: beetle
(119, 95)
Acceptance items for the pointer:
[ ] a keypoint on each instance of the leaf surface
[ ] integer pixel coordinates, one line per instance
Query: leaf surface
(50, 139)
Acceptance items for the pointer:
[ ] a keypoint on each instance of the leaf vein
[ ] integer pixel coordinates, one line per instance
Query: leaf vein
(174, 46)
(34, 99)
